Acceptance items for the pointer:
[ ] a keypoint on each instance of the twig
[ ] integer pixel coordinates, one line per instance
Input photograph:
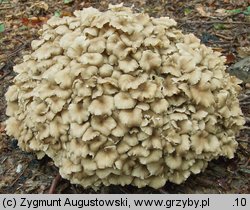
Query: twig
(3, 8)
(243, 141)
(243, 151)
(245, 103)
(8, 65)
(74, 188)
(2, 77)
(12, 184)
(214, 22)
(20, 40)
(224, 37)
(247, 163)
(124, 190)
(244, 98)
(54, 184)
(245, 128)
(247, 119)
(63, 187)
(162, 191)
(18, 49)
(4, 160)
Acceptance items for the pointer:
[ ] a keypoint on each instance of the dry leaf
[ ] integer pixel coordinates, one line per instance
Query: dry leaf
(2, 127)
(40, 5)
(33, 21)
(218, 49)
(202, 12)
(230, 58)
(221, 12)
(243, 52)
(66, 13)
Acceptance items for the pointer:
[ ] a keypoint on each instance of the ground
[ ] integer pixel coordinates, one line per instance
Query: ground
(221, 24)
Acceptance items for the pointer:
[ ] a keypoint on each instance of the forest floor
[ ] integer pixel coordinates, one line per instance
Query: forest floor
(220, 24)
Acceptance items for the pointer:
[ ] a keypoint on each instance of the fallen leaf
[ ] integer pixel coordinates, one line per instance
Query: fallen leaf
(187, 11)
(245, 170)
(247, 11)
(37, 20)
(2, 27)
(66, 13)
(34, 21)
(57, 13)
(40, 5)
(202, 12)
(218, 49)
(2, 128)
(23, 28)
(25, 21)
(219, 26)
(243, 52)
(230, 58)
(211, 3)
(234, 11)
(67, 1)
(221, 12)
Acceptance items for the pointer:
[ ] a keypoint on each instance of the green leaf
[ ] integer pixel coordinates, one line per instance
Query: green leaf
(219, 26)
(247, 11)
(4, 1)
(245, 170)
(2, 27)
(23, 28)
(234, 11)
(187, 11)
(57, 13)
(67, 1)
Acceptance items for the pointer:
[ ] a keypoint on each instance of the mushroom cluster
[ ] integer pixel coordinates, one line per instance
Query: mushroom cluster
(122, 98)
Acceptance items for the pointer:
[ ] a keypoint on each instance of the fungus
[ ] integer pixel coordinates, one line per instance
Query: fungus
(95, 59)
(150, 60)
(102, 105)
(122, 98)
(106, 158)
(128, 65)
(104, 125)
(131, 118)
(127, 81)
(78, 112)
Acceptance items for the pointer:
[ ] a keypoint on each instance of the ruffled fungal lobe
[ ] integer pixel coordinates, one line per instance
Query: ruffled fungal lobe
(118, 97)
